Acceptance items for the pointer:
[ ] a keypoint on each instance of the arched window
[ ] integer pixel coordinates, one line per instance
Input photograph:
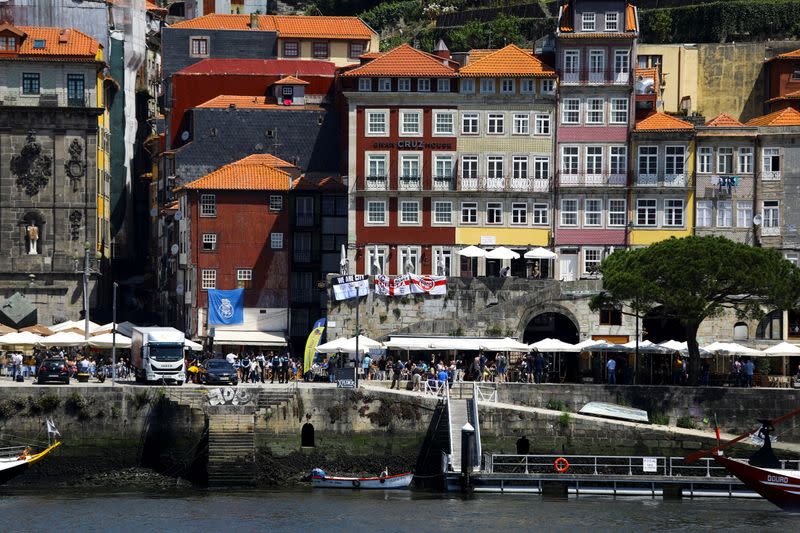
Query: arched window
(771, 327)
(307, 436)
(740, 331)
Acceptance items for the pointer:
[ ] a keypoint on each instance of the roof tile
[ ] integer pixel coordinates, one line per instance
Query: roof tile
(788, 96)
(287, 26)
(785, 117)
(59, 43)
(659, 121)
(261, 67)
(795, 54)
(509, 61)
(291, 80)
(404, 61)
(724, 120)
(225, 101)
(257, 172)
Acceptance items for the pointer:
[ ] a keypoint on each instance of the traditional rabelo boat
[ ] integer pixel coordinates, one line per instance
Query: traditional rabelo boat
(763, 472)
(15, 460)
(398, 481)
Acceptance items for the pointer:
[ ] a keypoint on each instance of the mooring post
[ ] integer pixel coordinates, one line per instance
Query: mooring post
(467, 453)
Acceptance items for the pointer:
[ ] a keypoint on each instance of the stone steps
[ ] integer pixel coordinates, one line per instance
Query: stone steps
(231, 449)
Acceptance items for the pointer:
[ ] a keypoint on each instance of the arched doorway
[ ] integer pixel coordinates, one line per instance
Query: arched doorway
(554, 325)
(657, 328)
(307, 436)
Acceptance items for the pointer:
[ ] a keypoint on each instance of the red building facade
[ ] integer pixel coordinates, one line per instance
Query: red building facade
(784, 81)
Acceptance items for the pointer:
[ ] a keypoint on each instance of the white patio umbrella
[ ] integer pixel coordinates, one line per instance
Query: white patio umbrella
(506, 344)
(24, 338)
(783, 349)
(472, 251)
(80, 324)
(348, 345)
(501, 252)
(106, 340)
(539, 253)
(732, 348)
(589, 343)
(63, 338)
(553, 345)
(191, 345)
(645, 347)
(683, 348)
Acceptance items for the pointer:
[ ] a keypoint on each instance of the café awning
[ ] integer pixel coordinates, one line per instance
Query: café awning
(250, 338)
(553, 346)
(24, 338)
(63, 338)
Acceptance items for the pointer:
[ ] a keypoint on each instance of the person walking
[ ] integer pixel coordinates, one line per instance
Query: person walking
(245, 365)
(276, 365)
(397, 371)
(611, 366)
(501, 368)
(365, 367)
(749, 370)
(538, 367)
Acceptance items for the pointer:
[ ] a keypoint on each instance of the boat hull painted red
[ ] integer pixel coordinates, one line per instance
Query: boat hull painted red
(781, 487)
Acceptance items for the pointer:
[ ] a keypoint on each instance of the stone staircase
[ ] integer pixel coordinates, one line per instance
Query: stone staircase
(273, 397)
(231, 449)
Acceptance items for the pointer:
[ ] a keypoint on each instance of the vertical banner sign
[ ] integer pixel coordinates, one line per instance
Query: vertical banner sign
(311, 344)
(346, 287)
(226, 307)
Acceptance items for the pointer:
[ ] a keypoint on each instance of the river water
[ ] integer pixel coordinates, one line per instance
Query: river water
(321, 510)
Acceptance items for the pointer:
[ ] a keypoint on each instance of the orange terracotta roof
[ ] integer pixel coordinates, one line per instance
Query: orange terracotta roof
(650, 72)
(401, 62)
(662, 122)
(308, 182)
(370, 55)
(795, 54)
(59, 43)
(509, 61)
(249, 102)
(630, 18)
(257, 172)
(290, 80)
(785, 117)
(150, 6)
(788, 96)
(287, 26)
(479, 53)
(724, 121)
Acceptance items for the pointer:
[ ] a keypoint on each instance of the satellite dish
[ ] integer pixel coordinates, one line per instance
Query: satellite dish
(757, 220)
(178, 215)
(154, 212)
(174, 249)
(185, 136)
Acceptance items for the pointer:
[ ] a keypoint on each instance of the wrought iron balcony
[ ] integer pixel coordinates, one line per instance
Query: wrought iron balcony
(504, 184)
(592, 180)
(586, 76)
(661, 180)
(409, 183)
(376, 183)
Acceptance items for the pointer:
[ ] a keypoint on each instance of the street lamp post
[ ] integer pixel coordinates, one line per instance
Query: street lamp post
(86, 247)
(114, 335)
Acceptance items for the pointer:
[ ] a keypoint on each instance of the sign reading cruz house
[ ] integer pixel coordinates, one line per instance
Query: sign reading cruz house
(413, 145)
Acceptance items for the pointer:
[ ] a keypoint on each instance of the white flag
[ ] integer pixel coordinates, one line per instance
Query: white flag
(51, 428)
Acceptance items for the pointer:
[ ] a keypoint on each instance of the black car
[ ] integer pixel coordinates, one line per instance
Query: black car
(219, 371)
(53, 370)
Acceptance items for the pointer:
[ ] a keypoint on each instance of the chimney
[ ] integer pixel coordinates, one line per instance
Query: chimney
(441, 50)
(253, 21)
(63, 36)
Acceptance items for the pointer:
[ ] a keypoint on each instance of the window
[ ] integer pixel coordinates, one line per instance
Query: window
(409, 260)
(75, 89)
(487, 85)
(772, 163)
(542, 125)
(424, 85)
(469, 213)
(548, 86)
(796, 73)
(304, 210)
(30, 83)
(292, 49)
(404, 85)
(355, 50)
(467, 86)
(612, 20)
(209, 242)
(673, 212)
(527, 86)
(610, 317)
(443, 167)
(494, 213)
(377, 123)
(570, 111)
(376, 164)
(569, 160)
(443, 123)
(771, 217)
(376, 212)
(495, 125)
(8, 43)
(541, 168)
(704, 156)
(587, 21)
(724, 214)
(519, 213)
(519, 167)
(410, 166)
(591, 260)
(617, 215)
(648, 160)
(791, 257)
(594, 160)
(521, 124)
(208, 279)
(494, 166)
(384, 85)
(244, 278)
(675, 161)
(409, 212)
(571, 61)
(469, 166)
(442, 212)
(443, 85)
(364, 84)
(569, 212)
(619, 160)
(703, 214)
(619, 111)
(724, 160)
(744, 214)
(320, 50)
(745, 165)
(507, 86)
(275, 203)
(597, 64)
(208, 205)
(646, 212)
(622, 62)
(375, 258)
(443, 262)
(470, 123)
(541, 216)
(199, 46)
(593, 212)
(410, 123)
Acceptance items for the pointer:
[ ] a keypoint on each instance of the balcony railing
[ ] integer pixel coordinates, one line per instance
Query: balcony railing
(770, 230)
(76, 101)
(592, 180)
(771, 175)
(663, 180)
(607, 76)
(504, 184)
(376, 183)
(444, 183)
(409, 183)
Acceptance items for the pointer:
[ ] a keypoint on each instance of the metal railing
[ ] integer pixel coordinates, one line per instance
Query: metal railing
(409, 183)
(11, 452)
(707, 467)
(376, 183)
(665, 180)
(501, 183)
(578, 464)
(588, 76)
(485, 391)
(592, 179)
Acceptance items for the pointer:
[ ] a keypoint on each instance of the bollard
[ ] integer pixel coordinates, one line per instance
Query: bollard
(467, 456)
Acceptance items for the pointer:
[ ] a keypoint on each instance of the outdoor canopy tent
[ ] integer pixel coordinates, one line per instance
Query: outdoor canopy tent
(80, 324)
(472, 251)
(348, 345)
(539, 253)
(683, 348)
(106, 340)
(783, 349)
(24, 338)
(63, 338)
(504, 344)
(731, 348)
(553, 345)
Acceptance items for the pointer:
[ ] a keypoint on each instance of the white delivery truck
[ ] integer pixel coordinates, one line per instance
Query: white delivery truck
(157, 355)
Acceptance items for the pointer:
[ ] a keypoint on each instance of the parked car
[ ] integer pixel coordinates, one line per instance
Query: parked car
(53, 370)
(219, 371)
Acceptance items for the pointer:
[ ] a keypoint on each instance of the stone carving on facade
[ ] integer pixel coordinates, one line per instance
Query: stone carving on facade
(31, 167)
(33, 239)
(75, 167)
(75, 218)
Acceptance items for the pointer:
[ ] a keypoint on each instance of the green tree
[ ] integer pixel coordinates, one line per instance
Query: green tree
(505, 29)
(661, 26)
(472, 35)
(695, 278)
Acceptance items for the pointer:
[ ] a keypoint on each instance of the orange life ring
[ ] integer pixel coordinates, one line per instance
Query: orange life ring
(561, 465)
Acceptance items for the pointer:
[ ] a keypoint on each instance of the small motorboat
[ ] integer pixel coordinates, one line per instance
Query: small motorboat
(385, 481)
(15, 460)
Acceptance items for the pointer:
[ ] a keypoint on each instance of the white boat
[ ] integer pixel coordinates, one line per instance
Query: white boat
(15, 460)
(610, 410)
(398, 481)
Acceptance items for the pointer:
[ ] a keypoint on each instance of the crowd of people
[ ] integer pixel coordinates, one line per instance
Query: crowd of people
(251, 367)
(78, 361)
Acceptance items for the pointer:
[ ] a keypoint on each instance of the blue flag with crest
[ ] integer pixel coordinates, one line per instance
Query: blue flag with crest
(226, 307)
